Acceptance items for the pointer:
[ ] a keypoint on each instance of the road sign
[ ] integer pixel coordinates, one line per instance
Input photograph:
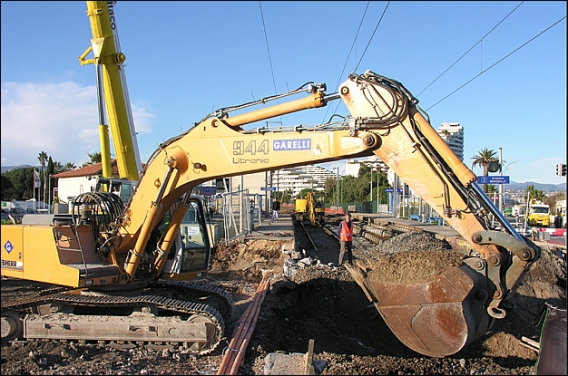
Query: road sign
(208, 191)
(492, 180)
(390, 190)
(268, 188)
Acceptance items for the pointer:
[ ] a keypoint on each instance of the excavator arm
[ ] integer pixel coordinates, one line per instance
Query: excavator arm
(439, 316)
(435, 317)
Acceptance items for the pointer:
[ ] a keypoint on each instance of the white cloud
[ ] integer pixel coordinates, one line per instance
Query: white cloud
(60, 119)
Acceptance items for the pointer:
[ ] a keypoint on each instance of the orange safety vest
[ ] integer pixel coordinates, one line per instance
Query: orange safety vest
(346, 233)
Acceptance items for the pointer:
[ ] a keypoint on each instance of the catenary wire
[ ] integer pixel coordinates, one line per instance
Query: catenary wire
(368, 43)
(371, 38)
(267, 47)
(497, 62)
(348, 56)
(468, 51)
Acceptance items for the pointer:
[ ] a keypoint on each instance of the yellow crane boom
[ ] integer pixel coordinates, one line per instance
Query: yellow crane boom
(111, 86)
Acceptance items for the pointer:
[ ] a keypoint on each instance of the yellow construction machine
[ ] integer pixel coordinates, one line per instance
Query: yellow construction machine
(126, 273)
(311, 208)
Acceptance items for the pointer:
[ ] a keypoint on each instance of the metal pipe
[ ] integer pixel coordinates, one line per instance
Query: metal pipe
(501, 184)
(495, 212)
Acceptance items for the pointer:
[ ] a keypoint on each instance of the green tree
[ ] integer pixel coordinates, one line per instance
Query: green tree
(58, 167)
(483, 159)
(6, 190)
(69, 166)
(535, 194)
(383, 184)
(42, 157)
(331, 187)
(94, 158)
(284, 197)
(363, 170)
(303, 193)
(22, 180)
(50, 167)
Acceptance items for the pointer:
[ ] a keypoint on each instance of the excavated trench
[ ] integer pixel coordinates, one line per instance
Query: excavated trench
(334, 312)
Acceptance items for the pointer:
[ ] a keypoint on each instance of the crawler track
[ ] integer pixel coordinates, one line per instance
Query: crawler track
(167, 313)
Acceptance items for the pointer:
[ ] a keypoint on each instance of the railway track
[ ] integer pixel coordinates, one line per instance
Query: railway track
(318, 240)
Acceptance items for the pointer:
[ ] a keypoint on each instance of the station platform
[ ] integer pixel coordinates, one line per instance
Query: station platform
(283, 229)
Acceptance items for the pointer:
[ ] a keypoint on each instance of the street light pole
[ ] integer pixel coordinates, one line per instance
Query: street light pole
(378, 190)
(337, 189)
(371, 195)
(501, 184)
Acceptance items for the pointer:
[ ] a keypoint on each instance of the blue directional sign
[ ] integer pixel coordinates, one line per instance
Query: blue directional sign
(390, 190)
(208, 191)
(492, 180)
(268, 188)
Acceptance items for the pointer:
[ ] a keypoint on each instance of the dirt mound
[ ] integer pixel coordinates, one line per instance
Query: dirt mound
(413, 242)
(412, 266)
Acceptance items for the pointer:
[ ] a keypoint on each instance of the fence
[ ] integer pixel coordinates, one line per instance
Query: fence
(241, 211)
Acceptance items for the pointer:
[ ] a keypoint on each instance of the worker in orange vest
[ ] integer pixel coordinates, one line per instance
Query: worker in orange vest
(345, 233)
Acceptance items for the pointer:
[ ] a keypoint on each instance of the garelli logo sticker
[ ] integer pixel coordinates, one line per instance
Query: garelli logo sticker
(285, 145)
(8, 247)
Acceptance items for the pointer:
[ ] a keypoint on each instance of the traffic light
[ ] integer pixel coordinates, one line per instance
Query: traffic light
(494, 166)
(561, 169)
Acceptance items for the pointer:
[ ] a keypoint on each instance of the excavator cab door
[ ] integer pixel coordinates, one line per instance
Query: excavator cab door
(191, 251)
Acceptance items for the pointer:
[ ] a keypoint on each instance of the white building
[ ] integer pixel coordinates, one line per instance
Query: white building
(72, 183)
(352, 165)
(453, 135)
(298, 178)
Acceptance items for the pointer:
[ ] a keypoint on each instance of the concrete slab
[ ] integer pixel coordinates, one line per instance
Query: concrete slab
(284, 364)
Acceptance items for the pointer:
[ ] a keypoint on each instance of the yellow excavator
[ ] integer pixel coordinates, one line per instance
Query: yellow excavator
(126, 271)
(312, 207)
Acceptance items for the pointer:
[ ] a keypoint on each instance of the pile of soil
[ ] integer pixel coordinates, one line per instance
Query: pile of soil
(320, 302)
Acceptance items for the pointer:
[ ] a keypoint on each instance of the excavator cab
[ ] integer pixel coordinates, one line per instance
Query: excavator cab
(123, 188)
(192, 248)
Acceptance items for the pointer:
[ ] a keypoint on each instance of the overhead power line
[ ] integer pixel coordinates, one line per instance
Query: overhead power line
(353, 44)
(371, 38)
(267, 47)
(347, 59)
(497, 62)
(468, 51)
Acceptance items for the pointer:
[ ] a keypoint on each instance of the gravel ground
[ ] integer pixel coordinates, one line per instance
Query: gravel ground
(319, 302)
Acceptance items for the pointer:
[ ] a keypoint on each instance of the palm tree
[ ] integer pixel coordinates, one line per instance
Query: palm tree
(42, 157)
(58, 167)
(69, 166)
(95, 158)
(483, 159)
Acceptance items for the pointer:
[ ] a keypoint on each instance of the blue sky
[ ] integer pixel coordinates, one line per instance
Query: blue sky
(185, 59)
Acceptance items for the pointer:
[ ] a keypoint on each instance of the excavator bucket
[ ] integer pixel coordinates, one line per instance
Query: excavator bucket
(436, 317)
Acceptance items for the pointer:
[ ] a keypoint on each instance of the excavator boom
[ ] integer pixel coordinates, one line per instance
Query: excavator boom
(435, 316)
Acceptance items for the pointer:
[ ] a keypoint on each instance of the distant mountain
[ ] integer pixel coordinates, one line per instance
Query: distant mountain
(9, 168)
(538, 186)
